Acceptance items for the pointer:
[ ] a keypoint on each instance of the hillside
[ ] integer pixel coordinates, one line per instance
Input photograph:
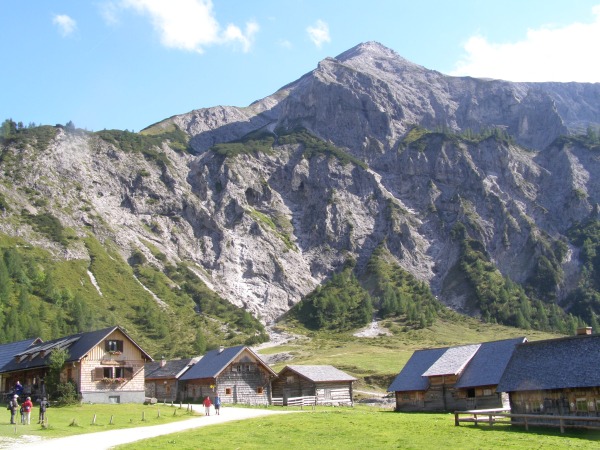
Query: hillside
(478, 195)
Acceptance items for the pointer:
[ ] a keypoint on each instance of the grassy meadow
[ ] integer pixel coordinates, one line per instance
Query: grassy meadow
(376, 361)
(365, 427)
(71, 420)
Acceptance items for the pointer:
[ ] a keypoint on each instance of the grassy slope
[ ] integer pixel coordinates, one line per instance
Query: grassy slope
(60, 420)
(375, 361)
(363, 427)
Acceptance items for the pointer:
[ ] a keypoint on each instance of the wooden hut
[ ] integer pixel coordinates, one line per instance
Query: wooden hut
(329, 386)
(237, 374)
(559, 377)
(454, 378)
(162, 378)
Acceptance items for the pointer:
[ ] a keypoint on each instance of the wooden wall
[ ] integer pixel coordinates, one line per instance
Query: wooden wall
(130, 357)
(563, 402)
(290, 384)
(447, 399)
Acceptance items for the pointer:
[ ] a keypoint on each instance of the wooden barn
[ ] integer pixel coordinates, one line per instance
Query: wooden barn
(107, 366)
(454, 378)
(329, 385)
(162, 378)
(559, 377)
(237, 374)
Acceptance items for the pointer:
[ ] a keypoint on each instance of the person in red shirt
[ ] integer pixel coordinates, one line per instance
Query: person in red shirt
(27, 407)
(207, 404)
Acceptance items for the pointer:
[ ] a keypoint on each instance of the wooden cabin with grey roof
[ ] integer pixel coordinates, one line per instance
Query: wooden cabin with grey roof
(454, 378)
(559, 377)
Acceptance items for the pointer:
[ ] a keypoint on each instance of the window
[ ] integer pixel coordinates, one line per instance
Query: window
(487, 392)
(114, 399)
(581, 405)
(113, 345)
(289, 379)
(100, 373)
(227, 391)
(259, 390)
(470, 393)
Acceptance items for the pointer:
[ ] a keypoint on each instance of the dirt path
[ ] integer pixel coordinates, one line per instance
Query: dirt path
(107, 439)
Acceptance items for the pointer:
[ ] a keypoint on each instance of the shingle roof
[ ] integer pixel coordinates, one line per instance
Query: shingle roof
(172, 369)
(483, 365)
(488, 364)
(77, 345)
(452, 361)
(320, 373)
(215, 361)
(553, 364)
(411, 376)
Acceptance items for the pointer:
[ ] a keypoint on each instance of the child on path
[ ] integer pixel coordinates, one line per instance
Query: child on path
(27, 407)
(207, 404)
(217, 405)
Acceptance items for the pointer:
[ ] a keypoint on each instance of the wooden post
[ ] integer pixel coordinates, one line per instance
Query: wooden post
(111, 420)
(526, 424)
(475, 418)
(157, 413)
(491, 420)
(562, 425)
(94, 420)
(174, 412)
(456, 423)
(143, 418)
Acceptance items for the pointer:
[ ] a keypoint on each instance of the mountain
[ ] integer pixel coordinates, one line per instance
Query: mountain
(468, 185)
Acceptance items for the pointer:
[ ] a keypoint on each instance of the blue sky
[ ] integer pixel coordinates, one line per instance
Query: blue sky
(129, 63)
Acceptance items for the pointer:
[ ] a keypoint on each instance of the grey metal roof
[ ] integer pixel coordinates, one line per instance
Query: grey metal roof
(411, 376)
(215, 361)
(571, 362)
(488, 364)
(452, 361)
(172, 369)
(320, 373)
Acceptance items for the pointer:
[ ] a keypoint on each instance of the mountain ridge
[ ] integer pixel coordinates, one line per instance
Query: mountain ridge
(274, 198)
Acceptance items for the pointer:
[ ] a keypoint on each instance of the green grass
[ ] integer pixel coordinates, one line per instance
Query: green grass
(71, 420)
(364, 427)
(375, 361)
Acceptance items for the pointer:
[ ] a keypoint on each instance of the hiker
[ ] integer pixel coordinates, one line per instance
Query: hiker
(27, 406)
(43, 407)
(217, 405)
(207, 404)
(18, 389)
(13, 405)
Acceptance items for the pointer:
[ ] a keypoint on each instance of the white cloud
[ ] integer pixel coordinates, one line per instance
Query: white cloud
(66, 25)
(191, 24)
(319, 33)
(284, 43)
(109, 12)
(546, 54)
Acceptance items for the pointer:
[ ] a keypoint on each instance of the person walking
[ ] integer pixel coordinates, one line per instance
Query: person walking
(27, 407)
(207, 403)
(217, 405)
(13, 406)
(43, 407)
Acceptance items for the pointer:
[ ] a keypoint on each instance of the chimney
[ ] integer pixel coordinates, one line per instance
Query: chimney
(163, 362)
(221, 348)
(584, 331)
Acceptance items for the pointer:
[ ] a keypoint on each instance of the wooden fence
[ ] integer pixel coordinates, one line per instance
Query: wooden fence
(307, 400)
(492, 416)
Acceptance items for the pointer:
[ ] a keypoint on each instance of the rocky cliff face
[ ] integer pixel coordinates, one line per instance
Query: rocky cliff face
(266, 227)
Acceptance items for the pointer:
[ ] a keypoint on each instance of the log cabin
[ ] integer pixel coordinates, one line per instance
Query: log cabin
(329, 386)
(559, 377)
(236, 374)
(454, 378)
(162, 378)
(106, 366)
